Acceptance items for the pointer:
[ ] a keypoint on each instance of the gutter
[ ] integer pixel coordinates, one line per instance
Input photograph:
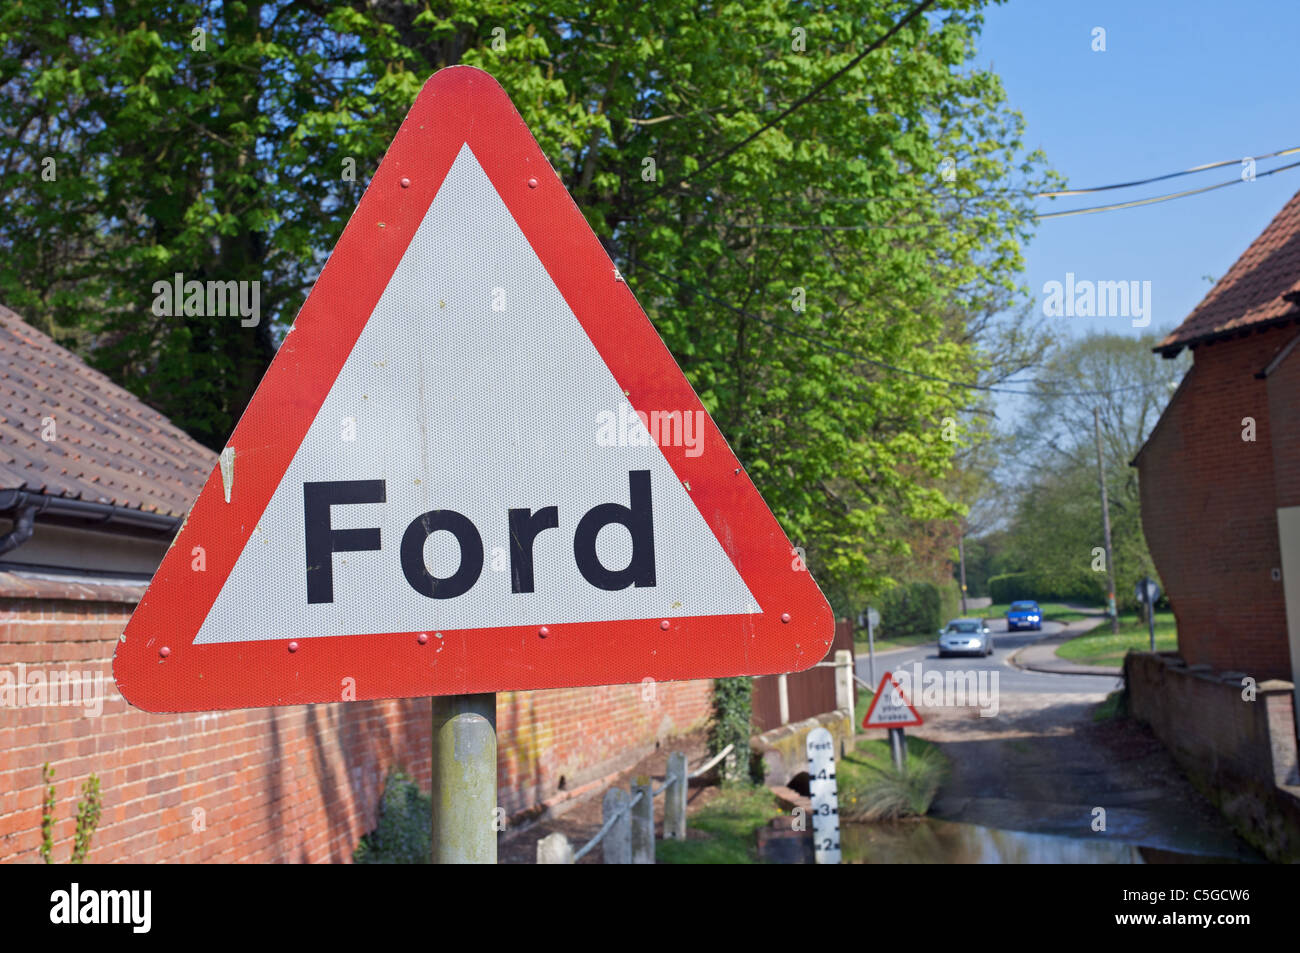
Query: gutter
(24, 526)
(26, 506)
(1169, 351)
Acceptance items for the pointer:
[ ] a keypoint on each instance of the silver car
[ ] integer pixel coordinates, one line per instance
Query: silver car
(965, 637)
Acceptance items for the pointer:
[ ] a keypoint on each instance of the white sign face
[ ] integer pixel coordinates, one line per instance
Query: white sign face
(873, 618)
(825, 800)
(471, 319)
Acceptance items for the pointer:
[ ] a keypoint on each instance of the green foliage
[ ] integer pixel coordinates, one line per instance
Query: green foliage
(404, 834)
(227, 164)
(89, 809)
(912, 608)
(949, 601)
(1052, 611)
(979, 565)
(1070, 584)
(1115, 705)
(729, 724)
(872, 789)
(47, 814)
(1103, 647)
(1055, 532)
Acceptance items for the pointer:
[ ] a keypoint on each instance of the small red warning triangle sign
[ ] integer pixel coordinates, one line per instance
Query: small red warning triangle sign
(472, 466)
(889, 707)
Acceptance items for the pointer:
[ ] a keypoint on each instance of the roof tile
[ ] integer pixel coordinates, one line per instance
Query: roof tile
(110, 447)
(1253, 290)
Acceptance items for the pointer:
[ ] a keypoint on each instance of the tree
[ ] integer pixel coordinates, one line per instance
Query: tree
(1056, 530)
(826, 286)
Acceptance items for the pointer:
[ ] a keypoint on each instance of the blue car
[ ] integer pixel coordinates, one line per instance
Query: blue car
(1024, 615)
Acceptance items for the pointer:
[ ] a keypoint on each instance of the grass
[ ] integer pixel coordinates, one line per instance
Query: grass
(1102, 647)
(871, 789)
(731, 820)
(1114, 706)
(885, 645)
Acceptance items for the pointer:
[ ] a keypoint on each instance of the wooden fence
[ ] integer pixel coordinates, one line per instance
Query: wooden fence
(808, 693)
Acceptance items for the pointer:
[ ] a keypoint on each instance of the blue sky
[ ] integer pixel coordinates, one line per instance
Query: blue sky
(1180, 84)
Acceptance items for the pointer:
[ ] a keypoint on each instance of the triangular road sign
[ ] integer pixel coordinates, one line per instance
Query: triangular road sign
(443, 484)
(889, 707)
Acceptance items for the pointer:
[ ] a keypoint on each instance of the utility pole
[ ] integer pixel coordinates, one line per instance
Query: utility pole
(961, 558)
(1105, 525)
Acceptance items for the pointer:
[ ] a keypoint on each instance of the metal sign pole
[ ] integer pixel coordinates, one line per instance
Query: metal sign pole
(1151, 613)
(871, 649)
(464, 779)
(897, 746)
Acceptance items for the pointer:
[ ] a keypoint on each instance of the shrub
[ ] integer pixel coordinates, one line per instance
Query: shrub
(949, 602)
(1085, 586)
(912, 608)
(404, 834)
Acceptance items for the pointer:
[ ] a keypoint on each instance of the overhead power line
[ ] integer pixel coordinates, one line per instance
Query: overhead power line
(1162, 198)
(885, 365)
(803, 100)
(1041, 216)
(1029, 193)
(1170, 175)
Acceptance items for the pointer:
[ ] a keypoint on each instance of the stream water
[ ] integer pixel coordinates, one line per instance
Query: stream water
(945, 842)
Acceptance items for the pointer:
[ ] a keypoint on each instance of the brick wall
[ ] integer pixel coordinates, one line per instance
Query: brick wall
(559, 740)
(1240, 752)
(1284, 406)
(1209, 510)
(299, 784)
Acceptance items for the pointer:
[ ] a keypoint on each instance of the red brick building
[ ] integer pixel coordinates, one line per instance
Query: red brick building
(93, 485)
(1220, 487)
(1220, 473)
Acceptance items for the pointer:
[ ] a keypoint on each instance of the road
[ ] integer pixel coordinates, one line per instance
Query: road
(1010, 678)
(1037, 761)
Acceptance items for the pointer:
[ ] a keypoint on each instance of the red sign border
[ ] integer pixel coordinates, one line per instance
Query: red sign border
(157, 667)
(877, 696)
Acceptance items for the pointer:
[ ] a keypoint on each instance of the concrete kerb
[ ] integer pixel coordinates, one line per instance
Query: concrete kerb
(1041, 655)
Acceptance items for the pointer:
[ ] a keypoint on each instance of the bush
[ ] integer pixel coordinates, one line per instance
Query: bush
(1085, 586)
(1009, 587)
(949, 602)
(912, 608)
(405, 831)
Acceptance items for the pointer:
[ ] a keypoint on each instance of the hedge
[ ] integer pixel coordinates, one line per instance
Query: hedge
(1087, 587)
(910, 608)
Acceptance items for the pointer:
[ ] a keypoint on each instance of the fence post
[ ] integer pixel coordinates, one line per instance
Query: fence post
(554, 849)
(675, 798)
(845, 695)
(643, 822)
(617, 845)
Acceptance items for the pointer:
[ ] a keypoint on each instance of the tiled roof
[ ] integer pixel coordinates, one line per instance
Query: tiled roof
(109, 447)
(1253, 290)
